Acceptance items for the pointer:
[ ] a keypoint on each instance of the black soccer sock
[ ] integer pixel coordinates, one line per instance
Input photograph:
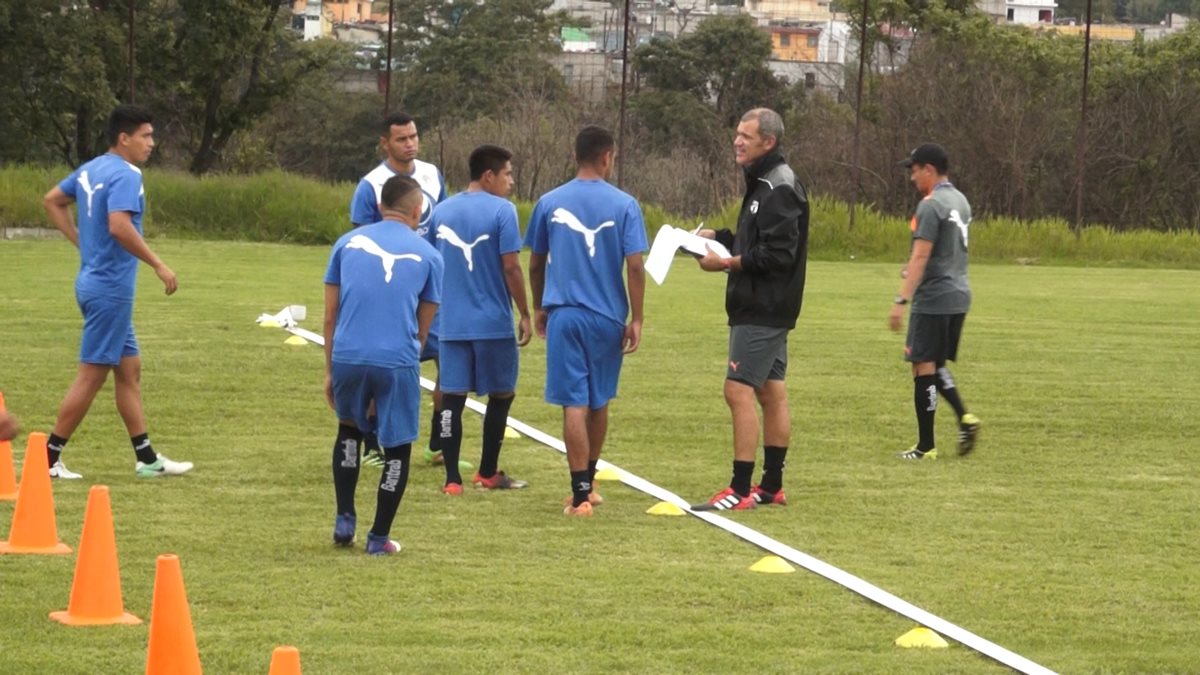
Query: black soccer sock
(54, 448)
(592, 471)
(392, 481)
(772, 475)
(435, 422)
(450, 432)
(742, 473)
(949, 391)
(925, 399)
(345, 467)
(495, 421)
(581, 486)
(142, 448)
(370, 440)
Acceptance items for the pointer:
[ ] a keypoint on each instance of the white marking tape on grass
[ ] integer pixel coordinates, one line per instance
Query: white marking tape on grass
(838, 576)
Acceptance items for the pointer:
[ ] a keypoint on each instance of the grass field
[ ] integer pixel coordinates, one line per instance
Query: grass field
(1069, 537)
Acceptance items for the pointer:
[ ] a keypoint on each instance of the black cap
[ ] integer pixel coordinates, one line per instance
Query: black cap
(930, 154)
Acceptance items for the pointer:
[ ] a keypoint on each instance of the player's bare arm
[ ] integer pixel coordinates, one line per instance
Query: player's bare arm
(636, 272)
(332, 298)
(514, 278)
(914, 272)
(537, 284)
(58, 209)
(120, 226)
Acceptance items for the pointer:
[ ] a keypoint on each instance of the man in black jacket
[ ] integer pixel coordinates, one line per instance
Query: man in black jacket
(762, 298)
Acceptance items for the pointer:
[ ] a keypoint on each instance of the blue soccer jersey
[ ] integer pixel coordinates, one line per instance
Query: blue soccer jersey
(383, 272)
(364, 206)
(472, 230)
(588, 228)
(104, 185)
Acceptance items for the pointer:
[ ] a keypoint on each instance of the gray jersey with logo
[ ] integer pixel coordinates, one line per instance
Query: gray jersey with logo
(943, 218)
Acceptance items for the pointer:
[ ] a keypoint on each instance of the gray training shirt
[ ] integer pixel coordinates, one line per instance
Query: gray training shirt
(943, 218)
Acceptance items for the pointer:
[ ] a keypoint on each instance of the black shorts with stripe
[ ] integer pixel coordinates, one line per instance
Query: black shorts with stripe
(933, 338)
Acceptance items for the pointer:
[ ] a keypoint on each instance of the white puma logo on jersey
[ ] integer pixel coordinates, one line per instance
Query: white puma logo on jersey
(956, 218)
(565, 217)
(86, 184)
(368, 245)
(451, 237)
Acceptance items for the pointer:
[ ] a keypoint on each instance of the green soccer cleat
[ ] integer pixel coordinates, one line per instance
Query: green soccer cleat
(915, 455)
(968, 433)
(162, 467)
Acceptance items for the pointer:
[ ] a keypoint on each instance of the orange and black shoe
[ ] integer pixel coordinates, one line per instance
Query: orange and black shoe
(500, 481)
(452, 489)
(726, 500)
(765, 498)
(584, 509)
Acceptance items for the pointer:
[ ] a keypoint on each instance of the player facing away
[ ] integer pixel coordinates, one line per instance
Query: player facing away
(477, 234)
(401, 143)
(935, 283)
(581, 235)
(110, 203)
(382, 288)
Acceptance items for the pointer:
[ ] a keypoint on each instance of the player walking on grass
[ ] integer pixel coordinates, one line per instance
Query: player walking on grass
(581, 234)
(111, 202)
(401, 144)
(477, 234)
(935, 283)
(382, 288)
(762, 298)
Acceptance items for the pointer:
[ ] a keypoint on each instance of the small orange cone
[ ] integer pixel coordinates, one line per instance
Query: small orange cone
(285, 661)
(8, 477)
(172, 649)
(96, 591)
(34, 529)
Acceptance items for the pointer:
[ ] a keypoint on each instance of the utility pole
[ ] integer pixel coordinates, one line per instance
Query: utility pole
(1081, 135)
(387, 85)
(858, 104)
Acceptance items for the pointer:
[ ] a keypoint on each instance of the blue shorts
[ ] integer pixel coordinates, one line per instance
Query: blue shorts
(430, 351)
(481, 366)
(583, 357)
(108, 333)
(397, 396)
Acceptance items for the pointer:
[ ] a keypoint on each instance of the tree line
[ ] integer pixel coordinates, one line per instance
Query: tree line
(236, 90)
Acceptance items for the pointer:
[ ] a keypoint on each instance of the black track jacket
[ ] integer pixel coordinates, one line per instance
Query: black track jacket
(772, 238)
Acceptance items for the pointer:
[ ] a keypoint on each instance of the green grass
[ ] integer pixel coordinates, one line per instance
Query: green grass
(1069, 537)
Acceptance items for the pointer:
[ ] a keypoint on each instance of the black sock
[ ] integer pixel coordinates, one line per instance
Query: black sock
(450, 432)
(742, 473)
(925, 402)
(370, 440)
(345, 467)
(435, 441)
(142, 448)
(495, 421)
(592, 470)
(54, 447)
(392, 481)
(772, 475)
(949, 391)
(581, 486)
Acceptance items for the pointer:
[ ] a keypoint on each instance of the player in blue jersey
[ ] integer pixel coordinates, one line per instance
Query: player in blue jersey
(111, 201)
(583, 235)
(382, 288)
(477, 234)
(401, 144)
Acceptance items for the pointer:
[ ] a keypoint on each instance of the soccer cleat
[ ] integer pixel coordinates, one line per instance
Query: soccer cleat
(373, 457)
(968, 433)
(765, 498)
(726, 500)
(500, 481)
(343, 529)
(594, 499)
(584, 510)
(452, 489)
(162, 467)
(915, 455)
(433, 457)
(60, 470)
(381, 545)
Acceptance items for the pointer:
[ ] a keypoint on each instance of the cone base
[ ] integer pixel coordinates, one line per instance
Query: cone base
(772, 564)
(608, 473)
(8, 496)
(125, 619)
(57, 549)
(665, 509)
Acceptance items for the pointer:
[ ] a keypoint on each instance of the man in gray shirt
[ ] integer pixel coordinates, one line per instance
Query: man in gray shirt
(935, 283)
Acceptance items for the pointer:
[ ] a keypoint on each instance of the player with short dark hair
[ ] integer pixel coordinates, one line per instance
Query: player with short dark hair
(477, 234)
(382, 288)
(935, 283)
(111, 201)
(591, 230)
(401, 143)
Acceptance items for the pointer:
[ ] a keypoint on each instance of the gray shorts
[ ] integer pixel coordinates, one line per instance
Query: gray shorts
(757, 354)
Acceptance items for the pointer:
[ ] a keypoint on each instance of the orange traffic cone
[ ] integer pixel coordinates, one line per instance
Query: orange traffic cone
(8, 478)
(34, 529)
(172, 649)
(285, 661)
(96, 591)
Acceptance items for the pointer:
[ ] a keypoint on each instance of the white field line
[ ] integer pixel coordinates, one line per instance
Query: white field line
(814, 565)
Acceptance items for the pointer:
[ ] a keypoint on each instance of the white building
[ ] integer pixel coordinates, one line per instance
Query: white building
(1030, 12)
